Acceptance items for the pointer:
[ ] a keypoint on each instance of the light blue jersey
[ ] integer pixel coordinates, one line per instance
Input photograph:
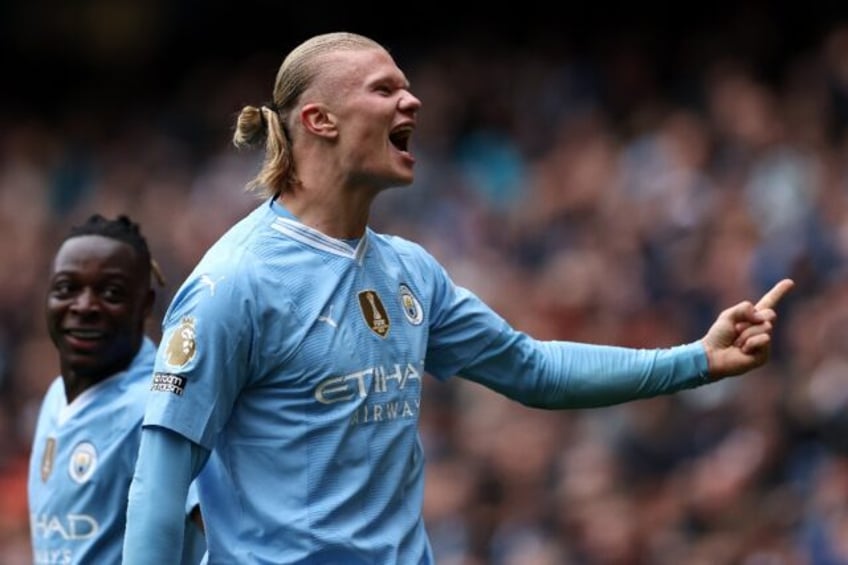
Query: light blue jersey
(298, 360)
(82, 461)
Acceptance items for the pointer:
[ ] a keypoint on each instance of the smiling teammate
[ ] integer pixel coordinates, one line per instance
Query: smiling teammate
(89, 425)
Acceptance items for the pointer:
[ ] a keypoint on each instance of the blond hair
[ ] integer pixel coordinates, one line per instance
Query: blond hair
(268, 124)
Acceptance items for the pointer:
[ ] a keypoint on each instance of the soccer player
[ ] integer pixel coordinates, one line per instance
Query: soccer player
(292, 357)
(89, 425)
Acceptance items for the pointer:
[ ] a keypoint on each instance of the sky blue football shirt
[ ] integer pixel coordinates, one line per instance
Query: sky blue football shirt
(82, 461)
(298, 360)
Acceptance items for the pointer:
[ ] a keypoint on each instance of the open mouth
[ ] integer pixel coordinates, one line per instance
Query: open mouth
(400, 137)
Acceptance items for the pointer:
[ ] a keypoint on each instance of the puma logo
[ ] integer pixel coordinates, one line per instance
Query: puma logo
(208, 281)
(328, 317)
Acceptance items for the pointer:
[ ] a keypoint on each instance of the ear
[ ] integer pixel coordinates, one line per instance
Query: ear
(317, 119)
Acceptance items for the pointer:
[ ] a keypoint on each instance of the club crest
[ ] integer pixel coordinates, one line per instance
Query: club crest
(181, 345)
(48, 458)
(411, 307)
(83, 462)
(374, 312)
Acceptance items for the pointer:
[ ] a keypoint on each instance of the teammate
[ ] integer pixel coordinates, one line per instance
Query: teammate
(89, 425)
(293, 355)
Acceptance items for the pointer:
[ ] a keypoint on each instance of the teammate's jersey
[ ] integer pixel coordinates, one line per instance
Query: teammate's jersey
(82, 461)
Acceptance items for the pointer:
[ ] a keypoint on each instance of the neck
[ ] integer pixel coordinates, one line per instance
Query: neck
(342, 214)
(77, 381)
(76, 384)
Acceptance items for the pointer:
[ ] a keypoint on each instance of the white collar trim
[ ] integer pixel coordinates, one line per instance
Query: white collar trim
(318, 240)
(84, 399)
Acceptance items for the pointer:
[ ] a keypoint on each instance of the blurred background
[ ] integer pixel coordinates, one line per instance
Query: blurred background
(596, 174)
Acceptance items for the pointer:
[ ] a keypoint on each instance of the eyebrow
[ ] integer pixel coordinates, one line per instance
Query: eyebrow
(393, 80)
(110, 274)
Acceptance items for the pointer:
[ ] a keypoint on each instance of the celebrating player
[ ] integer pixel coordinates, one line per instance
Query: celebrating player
(293, 355)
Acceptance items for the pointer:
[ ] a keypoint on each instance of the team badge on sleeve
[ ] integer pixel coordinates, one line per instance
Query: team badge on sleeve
(181, 345)
(411, 307)
(374, 312)
(83, 462)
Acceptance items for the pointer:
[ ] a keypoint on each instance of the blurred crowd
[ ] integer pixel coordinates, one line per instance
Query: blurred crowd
(585, 199)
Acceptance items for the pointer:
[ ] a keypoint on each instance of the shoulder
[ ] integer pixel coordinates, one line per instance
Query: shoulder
(243, 255)
(421, 268)
(405, 249)
(141, 368)
(135, 386)
(54, 397)
(241, 240)
(56, 388)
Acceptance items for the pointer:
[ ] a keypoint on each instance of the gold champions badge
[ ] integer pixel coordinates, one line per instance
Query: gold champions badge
(47, 458)
(374, 312)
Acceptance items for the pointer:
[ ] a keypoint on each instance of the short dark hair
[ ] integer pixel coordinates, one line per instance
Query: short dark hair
(121, 229)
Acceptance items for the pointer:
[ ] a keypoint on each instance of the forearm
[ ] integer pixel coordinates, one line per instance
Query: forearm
(166, 465)
(556, 374)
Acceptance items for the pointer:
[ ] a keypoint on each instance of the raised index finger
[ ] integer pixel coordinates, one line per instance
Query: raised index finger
(773, 296)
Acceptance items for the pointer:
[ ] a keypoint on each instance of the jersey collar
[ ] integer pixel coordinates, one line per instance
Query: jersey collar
(314, 238)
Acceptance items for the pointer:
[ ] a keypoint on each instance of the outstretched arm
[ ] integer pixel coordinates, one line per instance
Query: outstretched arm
(167, 463)
(560, 374)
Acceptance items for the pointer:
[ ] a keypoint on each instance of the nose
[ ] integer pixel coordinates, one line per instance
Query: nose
(409, 103)
(85, 301)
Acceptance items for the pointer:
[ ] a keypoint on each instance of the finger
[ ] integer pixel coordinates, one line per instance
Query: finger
(757, 317)
(752, 330)
(773, 296)
(755, 343)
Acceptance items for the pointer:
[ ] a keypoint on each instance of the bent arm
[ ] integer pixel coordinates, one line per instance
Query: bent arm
(560, 374)
(167, 463)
